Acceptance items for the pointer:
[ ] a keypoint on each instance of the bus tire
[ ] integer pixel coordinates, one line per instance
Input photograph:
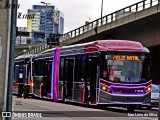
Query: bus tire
(65, 101)
(88, 104)
(130, 109)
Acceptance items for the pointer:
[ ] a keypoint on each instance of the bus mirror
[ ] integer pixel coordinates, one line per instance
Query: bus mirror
(106, 57)
(82, 79)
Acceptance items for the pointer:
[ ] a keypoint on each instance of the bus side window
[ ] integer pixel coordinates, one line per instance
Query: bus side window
(103, 71)
(83, 68)
(146, 69)
(78, 69)
(61, 71)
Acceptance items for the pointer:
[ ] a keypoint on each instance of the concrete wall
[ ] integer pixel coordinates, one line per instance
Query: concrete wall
(4, 52)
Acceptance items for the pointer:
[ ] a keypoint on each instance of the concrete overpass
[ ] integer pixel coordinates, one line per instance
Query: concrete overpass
(138, 22)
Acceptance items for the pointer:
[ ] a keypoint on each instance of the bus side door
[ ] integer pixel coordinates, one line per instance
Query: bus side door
(69, 76)
(92, 65)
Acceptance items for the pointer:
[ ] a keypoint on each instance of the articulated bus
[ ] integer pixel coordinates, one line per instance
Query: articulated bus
(22, 73)
(103, 72)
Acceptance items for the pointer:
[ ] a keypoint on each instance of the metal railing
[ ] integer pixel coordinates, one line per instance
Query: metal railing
(38, 49)
(142, 5)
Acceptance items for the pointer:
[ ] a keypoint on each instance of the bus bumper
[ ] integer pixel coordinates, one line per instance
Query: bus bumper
(124, 99)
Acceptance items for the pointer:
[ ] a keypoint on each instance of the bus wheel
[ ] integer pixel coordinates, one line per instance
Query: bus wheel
(88, 104)
(130, 109)
(65, 101)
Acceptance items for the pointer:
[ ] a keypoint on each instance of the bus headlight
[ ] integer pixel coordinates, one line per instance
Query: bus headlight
(104, 88)
(148, 89)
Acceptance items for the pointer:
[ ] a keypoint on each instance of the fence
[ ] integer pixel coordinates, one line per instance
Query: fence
(38, 49)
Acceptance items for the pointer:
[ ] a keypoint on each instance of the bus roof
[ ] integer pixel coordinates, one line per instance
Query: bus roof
(95, 46)
(108, 45)
(22, 57)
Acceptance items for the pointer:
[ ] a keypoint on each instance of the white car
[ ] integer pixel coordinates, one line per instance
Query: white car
(154, 96)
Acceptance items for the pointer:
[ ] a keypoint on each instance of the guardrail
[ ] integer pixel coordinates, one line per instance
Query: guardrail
(142, 5)
(38, 49)
(28, 45)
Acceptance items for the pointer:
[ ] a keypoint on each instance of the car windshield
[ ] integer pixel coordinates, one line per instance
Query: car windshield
(126, 67)
(155, 88)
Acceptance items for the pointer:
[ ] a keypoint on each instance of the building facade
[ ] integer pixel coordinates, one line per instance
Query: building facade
(23, 36)
(47, 20)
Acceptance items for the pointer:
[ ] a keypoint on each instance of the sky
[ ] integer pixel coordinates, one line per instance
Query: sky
(76, 12)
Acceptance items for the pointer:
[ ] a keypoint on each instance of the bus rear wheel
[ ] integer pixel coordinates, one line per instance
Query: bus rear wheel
(130, 109)
(88, 104)
(65, 100)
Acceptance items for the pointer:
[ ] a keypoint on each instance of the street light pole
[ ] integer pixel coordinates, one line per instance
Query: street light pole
(11, 57)
(101, 12)
(102, 9)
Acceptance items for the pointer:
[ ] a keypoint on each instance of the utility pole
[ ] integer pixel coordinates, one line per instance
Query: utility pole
(102, 9)
(5, 45)
(11, 55)
(101, 12)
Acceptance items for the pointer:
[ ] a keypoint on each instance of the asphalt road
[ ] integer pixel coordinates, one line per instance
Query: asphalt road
(34, 109)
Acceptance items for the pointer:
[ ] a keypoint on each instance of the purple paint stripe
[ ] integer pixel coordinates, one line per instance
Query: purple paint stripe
(56, 73)
(52, 83)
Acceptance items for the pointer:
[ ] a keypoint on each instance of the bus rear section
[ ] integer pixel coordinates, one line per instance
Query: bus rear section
(22, 74)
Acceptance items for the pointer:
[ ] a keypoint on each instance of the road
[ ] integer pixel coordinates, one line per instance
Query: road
(47, 110)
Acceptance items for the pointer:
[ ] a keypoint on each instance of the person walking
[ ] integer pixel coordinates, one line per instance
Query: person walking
(41, 90)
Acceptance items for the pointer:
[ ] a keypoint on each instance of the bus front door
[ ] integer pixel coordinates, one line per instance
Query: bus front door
(92, 78)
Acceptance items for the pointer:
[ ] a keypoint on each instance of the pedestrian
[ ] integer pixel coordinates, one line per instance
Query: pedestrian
(41, 90)
(26, 91)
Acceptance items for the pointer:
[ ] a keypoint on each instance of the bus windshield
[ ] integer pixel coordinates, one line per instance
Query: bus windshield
(126, 67)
